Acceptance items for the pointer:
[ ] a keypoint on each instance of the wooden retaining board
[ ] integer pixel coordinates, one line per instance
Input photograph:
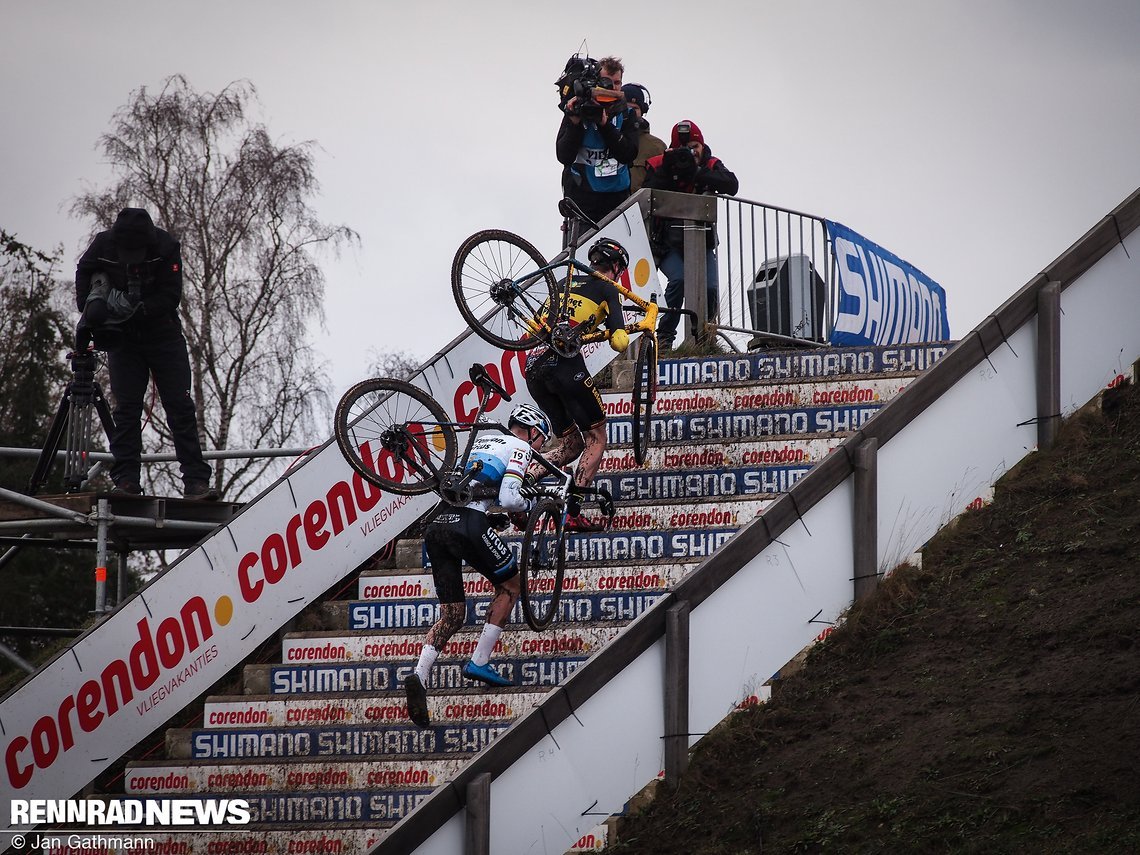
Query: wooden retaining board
(575, 640)
(164, 777)
(395, 587)
(862, 390)
(764, 366)
(331, 741)
(306, 710)
(572, 607)
(370, 677)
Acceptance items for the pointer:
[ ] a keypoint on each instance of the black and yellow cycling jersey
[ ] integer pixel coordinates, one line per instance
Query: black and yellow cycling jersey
(593, 301)
(561, 385)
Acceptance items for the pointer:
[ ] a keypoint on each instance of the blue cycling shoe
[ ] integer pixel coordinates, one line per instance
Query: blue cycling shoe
(484, 674)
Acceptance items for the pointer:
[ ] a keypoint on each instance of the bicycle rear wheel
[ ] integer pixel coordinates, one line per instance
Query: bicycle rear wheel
(543, 564)
(498, 290)
(644, 394)
(395, 435)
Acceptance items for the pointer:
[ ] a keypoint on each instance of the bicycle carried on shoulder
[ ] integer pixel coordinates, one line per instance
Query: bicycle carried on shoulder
(508, 294)
(399, 438)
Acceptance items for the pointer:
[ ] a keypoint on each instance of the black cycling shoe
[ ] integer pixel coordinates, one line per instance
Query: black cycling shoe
(417, 701)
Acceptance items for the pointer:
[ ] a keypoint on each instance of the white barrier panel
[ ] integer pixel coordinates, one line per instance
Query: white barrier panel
(770, 610)
(200, 619)
(1099, 325)
(957, 448)
(588, 768)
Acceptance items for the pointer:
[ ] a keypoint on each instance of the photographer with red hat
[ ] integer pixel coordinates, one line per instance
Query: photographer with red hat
(687, 166)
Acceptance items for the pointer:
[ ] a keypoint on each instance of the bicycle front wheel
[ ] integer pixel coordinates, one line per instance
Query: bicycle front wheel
(644, 394)
(499, 290)
(543, 564)
(395, 435)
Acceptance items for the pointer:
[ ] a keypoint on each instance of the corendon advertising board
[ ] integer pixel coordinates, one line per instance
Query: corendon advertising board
(184, 631)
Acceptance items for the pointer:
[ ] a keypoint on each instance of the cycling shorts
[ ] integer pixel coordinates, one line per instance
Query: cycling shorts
(565, 391)
(465, 535)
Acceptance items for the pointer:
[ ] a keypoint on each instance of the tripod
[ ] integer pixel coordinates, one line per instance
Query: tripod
(74, 417)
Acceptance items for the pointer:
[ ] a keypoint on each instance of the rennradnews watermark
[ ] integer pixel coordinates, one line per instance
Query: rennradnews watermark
(25, 813)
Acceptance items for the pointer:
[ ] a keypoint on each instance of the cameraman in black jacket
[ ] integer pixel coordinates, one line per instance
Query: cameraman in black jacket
(687, 166)
(596, 143)
(142, 266)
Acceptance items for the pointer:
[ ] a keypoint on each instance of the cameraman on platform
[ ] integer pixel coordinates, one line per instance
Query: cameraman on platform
(687, 166)
(128, 285)
(596, 140)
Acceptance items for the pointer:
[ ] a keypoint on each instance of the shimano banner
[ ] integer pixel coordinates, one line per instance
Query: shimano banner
(883, 299)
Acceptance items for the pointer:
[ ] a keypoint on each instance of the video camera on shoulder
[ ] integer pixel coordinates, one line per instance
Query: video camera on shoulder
(582, 79)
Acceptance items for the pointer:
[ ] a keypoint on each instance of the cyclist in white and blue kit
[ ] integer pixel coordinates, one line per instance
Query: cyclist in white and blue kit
(466, 534)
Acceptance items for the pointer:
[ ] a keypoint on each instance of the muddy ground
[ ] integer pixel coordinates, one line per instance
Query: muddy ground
(988, 702)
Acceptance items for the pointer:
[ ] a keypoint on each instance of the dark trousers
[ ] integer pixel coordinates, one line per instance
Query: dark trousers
(158, 349)
(673, 266)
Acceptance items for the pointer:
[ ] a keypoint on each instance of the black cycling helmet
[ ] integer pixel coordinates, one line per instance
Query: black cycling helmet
(609, 251)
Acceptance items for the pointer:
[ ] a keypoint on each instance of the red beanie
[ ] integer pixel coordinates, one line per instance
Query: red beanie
(694, 134)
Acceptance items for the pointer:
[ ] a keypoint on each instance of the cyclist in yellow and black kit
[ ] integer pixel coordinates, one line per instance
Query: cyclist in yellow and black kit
(562, 386)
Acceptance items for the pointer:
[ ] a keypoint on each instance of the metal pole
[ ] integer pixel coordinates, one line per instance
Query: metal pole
(478, 825)
(1048, 364)
(866, 518)
(46, 507)
(696, 278)
(16, 659)
(102, 521)
(676, 693)
(122, 580)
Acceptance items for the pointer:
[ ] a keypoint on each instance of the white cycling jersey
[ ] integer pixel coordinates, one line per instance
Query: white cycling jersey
(504, 459)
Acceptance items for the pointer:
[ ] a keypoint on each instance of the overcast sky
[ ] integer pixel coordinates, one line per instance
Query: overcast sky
(977, 140)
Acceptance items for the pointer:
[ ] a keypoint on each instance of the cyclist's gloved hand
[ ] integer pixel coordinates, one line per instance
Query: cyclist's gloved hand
(606, 502)
(619, 340)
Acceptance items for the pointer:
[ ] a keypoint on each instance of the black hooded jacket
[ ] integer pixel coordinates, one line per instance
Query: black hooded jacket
(135, 254)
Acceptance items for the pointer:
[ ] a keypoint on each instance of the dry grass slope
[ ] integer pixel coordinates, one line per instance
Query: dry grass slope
(987, 703)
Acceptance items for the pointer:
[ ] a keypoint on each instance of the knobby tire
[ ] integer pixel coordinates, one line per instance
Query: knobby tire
(499, 312)
(543, 564)
(395, 435)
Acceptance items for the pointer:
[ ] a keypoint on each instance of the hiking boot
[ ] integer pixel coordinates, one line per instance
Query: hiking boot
(200, 490)
(417, 701)
(577, 522)
(484, 674)
(128, 487)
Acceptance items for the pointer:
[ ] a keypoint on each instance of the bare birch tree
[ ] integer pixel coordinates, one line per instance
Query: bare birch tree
(240, 205)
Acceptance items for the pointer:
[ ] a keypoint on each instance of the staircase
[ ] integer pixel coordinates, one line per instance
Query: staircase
(320, 745)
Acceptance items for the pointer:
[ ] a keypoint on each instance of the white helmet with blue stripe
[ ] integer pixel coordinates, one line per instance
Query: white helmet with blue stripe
(530, 416)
